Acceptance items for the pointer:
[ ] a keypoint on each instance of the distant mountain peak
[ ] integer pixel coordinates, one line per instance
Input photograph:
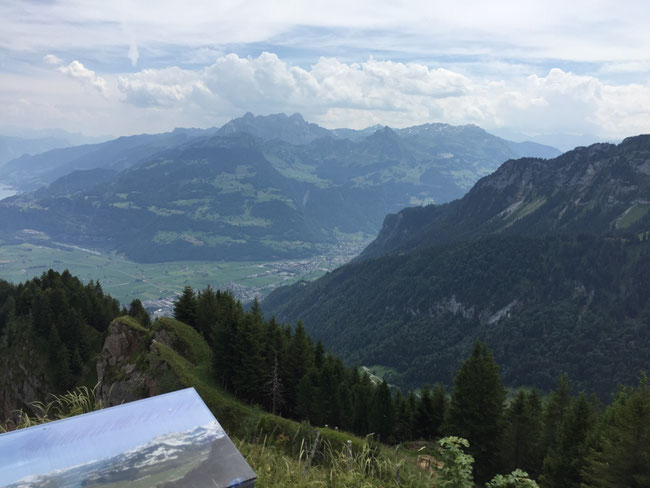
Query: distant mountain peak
(293, 129)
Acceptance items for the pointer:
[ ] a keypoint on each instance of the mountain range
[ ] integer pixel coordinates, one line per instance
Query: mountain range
(545, 260)
(258, 188)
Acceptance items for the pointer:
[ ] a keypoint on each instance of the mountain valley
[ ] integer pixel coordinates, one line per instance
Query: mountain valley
(229, 194)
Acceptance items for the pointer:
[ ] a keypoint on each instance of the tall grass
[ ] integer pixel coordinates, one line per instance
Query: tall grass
(80, 400)
(336, 468)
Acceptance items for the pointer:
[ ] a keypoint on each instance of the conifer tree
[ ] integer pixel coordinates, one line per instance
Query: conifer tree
(423, 417)
(275, 389)
(319, 354)
(185, 307)
(207, 310)
(248, 373)
(301, 358)
(256, 312)
(361, 394)
(138, 312)
(557, 405)
(403, 418)
(523, 433)
(382, 413)
(344, 395)
(476, 410)
(564, 462)
(440, 407)
(623, 456)
(223, 335)
(306, 405)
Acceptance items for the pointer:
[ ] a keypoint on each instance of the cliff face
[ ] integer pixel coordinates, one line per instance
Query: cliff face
(136, 362)
(129, 366)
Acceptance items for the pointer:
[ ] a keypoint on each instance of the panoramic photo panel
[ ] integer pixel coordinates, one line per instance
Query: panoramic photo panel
(170, 440)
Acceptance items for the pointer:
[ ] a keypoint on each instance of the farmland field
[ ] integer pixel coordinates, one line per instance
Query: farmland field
(127, 280)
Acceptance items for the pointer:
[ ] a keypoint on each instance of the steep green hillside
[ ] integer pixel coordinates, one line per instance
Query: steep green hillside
(547, 261)
(601, 189)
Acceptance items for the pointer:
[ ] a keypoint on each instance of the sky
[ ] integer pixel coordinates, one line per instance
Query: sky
(523, 68)
(98, 435)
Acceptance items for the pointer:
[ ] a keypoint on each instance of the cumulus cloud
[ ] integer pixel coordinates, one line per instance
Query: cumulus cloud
(335, 94)
(52, 60)
(267, 83)
(87, 76)
(162, 88)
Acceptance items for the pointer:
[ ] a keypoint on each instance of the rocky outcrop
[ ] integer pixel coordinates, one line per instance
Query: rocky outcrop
(127, 362)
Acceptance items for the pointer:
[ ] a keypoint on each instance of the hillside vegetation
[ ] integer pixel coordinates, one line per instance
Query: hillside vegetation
(546, 261)
(259, 188)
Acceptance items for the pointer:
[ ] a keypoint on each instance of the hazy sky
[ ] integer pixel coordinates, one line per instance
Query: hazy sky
(121, 67)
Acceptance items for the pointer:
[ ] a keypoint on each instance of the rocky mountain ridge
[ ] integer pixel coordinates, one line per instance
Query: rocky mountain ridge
(600, 189)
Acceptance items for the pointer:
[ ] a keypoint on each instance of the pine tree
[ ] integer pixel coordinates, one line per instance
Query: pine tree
(301, 358)
(440, 407)
(185, 307)
(557, 405)
(523, 433)
(344, 395)
(403, 418)
(275, 389)
(423, 417)
(382, 413)
(476, 410)
(207, 311)
(319, 354)
(306, 405)
(361, 395)
(223, 335)
(138, 312)
(623, 457)
(564, 462)
(248, 373)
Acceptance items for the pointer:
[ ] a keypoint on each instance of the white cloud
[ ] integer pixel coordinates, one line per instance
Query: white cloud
(78, 71)
(52, 60)
(336, 94)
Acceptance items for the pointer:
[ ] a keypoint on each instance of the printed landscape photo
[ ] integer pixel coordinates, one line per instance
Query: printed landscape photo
(167, 441)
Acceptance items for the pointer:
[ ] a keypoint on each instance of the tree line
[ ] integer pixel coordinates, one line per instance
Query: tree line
(62, 318)
(563, 439)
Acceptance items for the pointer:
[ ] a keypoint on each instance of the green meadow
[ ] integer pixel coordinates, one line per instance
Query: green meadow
(127, 280)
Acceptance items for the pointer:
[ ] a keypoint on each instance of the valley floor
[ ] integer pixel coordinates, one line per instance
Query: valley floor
(158, 284)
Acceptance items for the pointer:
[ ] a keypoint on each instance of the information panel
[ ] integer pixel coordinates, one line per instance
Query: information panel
(167, 441)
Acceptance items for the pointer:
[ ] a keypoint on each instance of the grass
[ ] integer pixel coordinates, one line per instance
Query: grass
(631, 215)
(127, 280)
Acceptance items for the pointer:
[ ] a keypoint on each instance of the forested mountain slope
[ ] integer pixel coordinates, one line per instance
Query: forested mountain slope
(238, 196)
(547, 261)
(600, 189)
